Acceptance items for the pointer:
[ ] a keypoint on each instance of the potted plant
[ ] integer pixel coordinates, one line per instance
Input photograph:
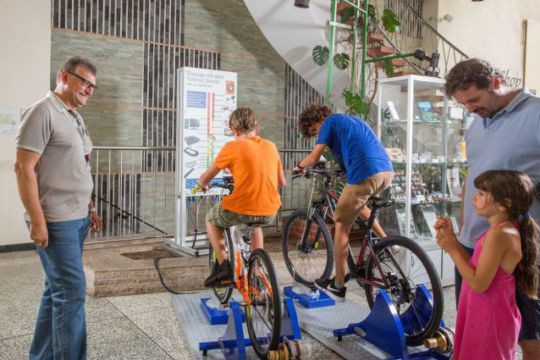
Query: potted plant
(354, 102)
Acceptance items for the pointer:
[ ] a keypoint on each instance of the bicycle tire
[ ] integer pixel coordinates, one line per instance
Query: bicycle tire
(223, 294)
(264, 327)
(304, 263)
(389, 250)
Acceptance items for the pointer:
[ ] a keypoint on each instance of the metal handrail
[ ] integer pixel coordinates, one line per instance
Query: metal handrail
(440, 43)
(133, 191)
(439, 35)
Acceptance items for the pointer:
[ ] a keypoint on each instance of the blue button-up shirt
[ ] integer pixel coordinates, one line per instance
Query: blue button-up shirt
(509, 140)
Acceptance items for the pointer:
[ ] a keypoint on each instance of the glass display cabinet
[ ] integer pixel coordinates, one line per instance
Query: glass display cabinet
(422, 131)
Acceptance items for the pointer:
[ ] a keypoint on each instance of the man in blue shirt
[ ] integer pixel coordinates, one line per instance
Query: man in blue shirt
(368, 171)
(504, 135)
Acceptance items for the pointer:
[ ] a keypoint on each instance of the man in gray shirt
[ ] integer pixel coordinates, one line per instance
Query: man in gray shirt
(55, 186)
(504, 135)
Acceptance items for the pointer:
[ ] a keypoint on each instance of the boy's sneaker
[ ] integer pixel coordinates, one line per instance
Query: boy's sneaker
(330, 287)
(221, 275)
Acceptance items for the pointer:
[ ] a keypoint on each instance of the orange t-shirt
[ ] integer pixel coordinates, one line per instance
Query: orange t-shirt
(254, 164)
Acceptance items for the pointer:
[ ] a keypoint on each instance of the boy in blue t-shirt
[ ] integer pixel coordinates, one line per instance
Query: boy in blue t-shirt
(368, 171)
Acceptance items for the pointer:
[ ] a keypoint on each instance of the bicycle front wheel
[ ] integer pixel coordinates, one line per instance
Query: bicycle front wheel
(263, 313)
(223, 294)
(307, 248)
(399, 267)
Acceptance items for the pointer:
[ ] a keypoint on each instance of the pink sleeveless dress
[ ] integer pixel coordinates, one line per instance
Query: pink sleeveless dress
(488, 324)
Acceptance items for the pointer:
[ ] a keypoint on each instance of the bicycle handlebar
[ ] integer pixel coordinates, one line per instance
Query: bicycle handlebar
(318, 171)
(226, 186)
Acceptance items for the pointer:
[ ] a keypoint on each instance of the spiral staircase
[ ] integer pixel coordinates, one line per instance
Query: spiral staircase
(294, 32)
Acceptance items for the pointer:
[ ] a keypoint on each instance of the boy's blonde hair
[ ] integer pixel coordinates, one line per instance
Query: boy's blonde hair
(242, 120)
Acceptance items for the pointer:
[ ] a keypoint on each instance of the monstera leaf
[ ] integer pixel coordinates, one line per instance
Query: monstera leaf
(371, 11)
(388, 68)
(390, 21)
(355, 104)
(347, 13)
(320, 54)
(342, 60)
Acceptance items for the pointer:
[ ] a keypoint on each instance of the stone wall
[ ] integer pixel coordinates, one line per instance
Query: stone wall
(114, 113)
(231, 31)
(135, 103)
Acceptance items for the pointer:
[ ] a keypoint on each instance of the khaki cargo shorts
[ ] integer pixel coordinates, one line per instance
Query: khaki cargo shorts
(355, 197)
(225, 218)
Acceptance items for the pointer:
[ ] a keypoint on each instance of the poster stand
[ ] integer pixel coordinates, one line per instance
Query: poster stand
(205, 100)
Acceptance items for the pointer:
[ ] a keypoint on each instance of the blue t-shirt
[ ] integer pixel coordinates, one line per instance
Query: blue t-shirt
(509, 140)
(355, 147)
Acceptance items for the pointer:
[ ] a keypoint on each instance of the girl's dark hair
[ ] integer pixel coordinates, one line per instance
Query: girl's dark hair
(312, 114)
(515, 191)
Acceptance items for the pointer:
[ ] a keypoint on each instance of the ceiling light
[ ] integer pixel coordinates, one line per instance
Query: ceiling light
(304, 4)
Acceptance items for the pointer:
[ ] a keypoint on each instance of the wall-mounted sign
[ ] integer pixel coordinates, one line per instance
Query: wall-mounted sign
(9, 120)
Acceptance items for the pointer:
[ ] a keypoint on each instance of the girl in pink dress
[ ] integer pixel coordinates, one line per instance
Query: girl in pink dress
(488, 320)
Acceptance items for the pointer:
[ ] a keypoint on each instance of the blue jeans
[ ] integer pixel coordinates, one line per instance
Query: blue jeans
(61, 327)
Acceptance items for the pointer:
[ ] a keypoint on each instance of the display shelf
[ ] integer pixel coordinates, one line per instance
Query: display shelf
(422, 131)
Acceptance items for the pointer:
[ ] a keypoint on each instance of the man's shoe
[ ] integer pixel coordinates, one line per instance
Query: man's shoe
(330, 287)
(221, 275)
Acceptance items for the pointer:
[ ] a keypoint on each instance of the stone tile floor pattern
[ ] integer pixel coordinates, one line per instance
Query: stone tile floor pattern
(122, 327)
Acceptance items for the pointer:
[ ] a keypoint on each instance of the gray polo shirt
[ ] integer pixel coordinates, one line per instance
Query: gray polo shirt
(509, 140)
(49, 128)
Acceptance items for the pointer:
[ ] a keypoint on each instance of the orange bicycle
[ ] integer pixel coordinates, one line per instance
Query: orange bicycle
(255, 279)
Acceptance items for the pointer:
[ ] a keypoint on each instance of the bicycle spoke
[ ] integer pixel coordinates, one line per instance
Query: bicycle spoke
(307, 248)
(263, 314)
(404, 266)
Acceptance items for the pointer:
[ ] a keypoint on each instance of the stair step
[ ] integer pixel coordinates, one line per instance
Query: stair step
(375, 37)
(396, 62)
(378, 51)
(342, 6)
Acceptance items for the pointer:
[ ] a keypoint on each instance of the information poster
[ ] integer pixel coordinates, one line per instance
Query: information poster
(9, 120)
(207, 99)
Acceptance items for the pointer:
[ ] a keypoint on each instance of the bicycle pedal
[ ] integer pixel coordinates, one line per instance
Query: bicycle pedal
(352, 275)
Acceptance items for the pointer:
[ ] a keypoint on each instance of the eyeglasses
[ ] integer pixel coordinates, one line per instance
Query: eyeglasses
(85, 83)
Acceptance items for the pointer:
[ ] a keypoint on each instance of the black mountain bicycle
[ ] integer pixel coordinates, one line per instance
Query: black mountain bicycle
(395, 264)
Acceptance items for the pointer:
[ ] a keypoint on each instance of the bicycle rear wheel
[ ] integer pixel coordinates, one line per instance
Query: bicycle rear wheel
(223, 294)
(404, 265)
(263, 314)
(307, 248)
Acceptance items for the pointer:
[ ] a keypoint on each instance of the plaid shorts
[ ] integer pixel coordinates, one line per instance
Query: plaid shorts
(225, 218)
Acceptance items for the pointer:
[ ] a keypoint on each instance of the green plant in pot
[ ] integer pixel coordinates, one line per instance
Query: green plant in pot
(341, 60)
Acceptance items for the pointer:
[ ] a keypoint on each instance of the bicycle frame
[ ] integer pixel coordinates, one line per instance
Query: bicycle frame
(325, 207)
(241, 280)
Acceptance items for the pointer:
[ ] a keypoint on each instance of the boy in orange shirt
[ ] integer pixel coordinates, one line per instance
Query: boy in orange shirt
(257, 172)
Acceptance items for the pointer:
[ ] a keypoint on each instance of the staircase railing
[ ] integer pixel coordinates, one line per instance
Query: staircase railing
(418, 33)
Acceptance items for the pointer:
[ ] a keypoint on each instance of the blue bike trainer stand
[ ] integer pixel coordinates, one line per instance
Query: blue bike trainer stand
(233, 343)
(386, 329)
(310, 300)
(216, 316)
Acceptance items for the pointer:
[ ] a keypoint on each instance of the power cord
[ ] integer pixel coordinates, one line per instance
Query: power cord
(165, 286)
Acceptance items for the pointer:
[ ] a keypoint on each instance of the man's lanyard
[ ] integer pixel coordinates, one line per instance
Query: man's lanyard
(83, 133)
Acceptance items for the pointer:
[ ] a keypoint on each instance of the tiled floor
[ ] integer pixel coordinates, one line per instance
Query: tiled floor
(123, 327)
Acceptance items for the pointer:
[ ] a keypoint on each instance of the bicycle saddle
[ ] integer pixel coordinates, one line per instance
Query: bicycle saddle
(380, 202)
(254, 224)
